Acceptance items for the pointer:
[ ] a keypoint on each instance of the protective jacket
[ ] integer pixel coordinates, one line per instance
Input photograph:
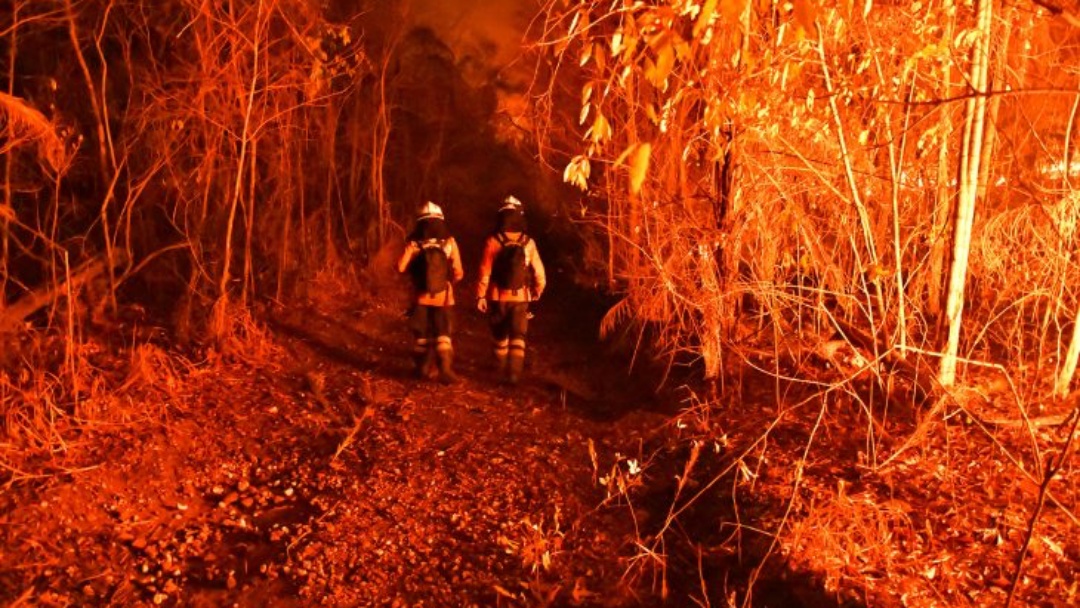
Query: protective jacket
(453, 257)
(487, 289)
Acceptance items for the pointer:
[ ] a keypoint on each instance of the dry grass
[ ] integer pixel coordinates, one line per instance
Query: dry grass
(247, 339)
(151, 366)
(27, 124)
(845, 537)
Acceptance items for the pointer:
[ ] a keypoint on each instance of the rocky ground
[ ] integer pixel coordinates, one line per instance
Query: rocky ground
(322, 472)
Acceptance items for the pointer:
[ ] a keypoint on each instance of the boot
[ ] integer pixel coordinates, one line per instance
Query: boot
(446, 364)
(514, 368)
(430, 369)
(502, 347)
(423, 358)
(421, 363)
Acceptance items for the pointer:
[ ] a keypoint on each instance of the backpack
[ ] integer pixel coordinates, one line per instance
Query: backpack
(509, 270)
(431, 268)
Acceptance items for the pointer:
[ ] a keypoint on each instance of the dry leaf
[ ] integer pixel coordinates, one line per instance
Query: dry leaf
(733, 9)
(703, 19)
(577, 172)
(639, 166)
(805, 14)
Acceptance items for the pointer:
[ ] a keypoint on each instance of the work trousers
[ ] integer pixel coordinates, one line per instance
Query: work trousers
(509, 325)
(431, 327)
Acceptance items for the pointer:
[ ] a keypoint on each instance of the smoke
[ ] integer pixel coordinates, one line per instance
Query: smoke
(487, 38)
(490, 32)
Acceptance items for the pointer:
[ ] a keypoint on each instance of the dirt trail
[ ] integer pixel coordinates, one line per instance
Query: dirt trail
(330, 475)
(474, 492)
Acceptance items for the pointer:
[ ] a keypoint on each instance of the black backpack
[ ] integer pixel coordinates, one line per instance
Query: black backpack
(509, 271)
(431, 268)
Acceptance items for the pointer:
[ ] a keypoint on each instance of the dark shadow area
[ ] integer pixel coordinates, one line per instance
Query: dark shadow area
(714, 551)
(566, 332)
(336, 340)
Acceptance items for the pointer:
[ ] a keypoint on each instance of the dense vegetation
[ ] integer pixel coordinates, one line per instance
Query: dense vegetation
(869, 204)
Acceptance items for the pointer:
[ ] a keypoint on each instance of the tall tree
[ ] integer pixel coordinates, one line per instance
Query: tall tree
(970, 158)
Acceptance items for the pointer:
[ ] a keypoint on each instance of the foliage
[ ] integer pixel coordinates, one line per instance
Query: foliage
(774, 183)
(731, 150)
(190, 158)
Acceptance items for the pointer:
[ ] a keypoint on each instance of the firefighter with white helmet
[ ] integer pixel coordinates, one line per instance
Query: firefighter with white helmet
(433, 261)
(511, 276)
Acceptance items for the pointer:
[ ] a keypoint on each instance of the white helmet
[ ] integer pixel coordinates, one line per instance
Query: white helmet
(512, 203)
(430, 211)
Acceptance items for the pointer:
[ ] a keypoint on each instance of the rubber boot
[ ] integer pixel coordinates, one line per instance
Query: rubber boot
(446, 367)
(500, 363)
(515, 366)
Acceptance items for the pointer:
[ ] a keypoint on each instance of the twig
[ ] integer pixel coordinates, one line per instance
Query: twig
(345, 443)
(1044, 493)
(38, 299)
(799, 467)
(994, 440)
(24, 599)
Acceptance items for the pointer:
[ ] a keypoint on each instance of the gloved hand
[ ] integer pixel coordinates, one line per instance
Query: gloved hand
(482, 305)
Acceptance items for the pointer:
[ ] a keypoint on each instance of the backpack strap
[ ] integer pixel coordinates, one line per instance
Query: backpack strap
(503, 239)
(523, 240)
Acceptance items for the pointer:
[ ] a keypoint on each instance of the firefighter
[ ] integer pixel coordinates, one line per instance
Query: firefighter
(511, 276)
(433, 261)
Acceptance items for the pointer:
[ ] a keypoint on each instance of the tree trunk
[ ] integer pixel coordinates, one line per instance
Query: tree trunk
(722, 209)
(1068, 366)
(993, 108)
(380, 134)
(942, 201)
(970, 156)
